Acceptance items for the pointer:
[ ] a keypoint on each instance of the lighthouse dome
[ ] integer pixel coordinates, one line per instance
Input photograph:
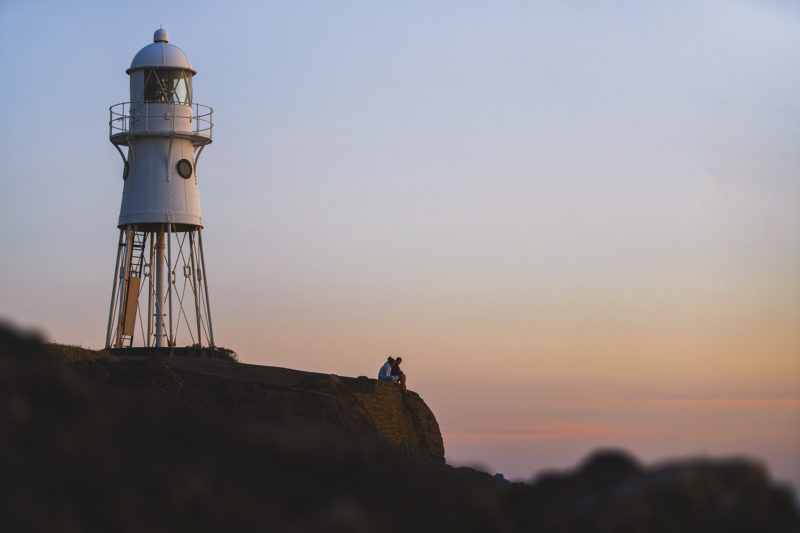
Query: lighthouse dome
(160, 54)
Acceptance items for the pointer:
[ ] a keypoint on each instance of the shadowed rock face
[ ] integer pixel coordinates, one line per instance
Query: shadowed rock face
(402, 419)
(282, 396)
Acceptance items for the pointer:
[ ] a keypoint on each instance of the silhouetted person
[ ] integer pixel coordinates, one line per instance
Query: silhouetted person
(396, 372)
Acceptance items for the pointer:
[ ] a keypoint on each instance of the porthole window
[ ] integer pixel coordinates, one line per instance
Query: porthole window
(184, 168)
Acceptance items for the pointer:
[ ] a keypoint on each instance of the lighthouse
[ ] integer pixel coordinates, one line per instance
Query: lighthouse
(159, 297)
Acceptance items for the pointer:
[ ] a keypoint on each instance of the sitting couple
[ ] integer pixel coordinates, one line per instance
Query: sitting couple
(390, 371)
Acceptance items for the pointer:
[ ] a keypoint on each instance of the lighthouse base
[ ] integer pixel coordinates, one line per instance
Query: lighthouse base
(159, 297)
(177, 351)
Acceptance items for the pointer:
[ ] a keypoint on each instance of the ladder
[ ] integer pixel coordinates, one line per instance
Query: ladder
(137, 270)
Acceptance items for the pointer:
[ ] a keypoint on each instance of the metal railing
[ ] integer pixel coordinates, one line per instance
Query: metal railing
(150, 117)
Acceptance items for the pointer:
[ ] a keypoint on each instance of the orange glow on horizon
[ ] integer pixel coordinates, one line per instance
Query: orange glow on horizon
(788, 402)
(545, 430)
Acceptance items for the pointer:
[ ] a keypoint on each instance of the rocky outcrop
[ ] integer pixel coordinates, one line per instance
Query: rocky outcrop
(401, 418)
(280, 396)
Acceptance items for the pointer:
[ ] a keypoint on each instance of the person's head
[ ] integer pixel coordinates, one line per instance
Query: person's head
(398, 360)
(390, 359)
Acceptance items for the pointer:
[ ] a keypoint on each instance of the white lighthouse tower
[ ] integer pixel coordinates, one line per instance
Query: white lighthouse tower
(160, 290)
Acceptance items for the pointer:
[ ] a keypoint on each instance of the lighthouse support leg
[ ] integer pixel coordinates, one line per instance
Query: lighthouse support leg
(150, 287)
(195, 289)
(123, 293)
(160, 289)
(110, 330)
(169, 282)
(205, 286)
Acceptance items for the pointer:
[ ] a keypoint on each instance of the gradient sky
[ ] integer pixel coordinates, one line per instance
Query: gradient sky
(578, 222)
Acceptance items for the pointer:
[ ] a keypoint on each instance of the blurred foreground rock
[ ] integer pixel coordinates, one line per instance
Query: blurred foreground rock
(612, 493)
(153, 450)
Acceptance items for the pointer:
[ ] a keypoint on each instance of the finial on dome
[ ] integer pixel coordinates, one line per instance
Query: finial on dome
(160, 36)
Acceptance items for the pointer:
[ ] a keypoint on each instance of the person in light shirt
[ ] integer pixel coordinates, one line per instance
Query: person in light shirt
(385, 373)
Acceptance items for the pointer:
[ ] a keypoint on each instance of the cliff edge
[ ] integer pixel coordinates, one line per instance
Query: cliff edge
(279, 396)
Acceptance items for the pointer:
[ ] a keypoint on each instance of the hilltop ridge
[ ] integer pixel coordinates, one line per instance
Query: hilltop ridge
(275, 395)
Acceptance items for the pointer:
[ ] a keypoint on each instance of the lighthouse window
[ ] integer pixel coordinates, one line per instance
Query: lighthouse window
(184, 168)
(167, 85)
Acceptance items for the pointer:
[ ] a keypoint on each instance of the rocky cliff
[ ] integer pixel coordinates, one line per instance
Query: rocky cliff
(279, 396)
(401, 419)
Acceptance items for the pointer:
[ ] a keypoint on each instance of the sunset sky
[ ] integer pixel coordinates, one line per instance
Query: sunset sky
(577, 221)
